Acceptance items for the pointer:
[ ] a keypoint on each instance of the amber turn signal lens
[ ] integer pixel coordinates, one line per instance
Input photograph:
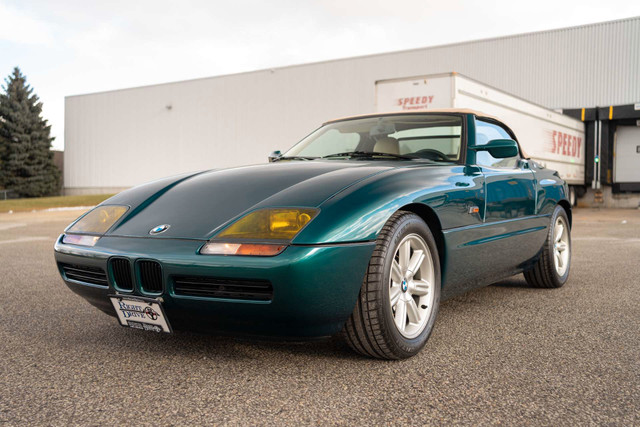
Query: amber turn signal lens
(259, 250)
(249, 249)
(99, 220)
(270, 224)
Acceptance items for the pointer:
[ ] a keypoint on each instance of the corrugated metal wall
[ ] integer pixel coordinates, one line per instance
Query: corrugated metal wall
(119, 139)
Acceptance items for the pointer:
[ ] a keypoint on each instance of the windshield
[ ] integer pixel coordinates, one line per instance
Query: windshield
(430, 137)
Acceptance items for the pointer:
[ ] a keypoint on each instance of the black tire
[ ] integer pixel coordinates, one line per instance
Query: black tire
(371, 330)
(544, 274)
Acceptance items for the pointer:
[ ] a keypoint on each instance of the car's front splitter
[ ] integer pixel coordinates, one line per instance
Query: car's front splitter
(314, 287)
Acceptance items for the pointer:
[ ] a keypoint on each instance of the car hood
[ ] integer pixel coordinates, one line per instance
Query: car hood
(196, 206)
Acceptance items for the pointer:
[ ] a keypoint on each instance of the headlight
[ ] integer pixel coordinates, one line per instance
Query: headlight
(269, 224)
(278, 224)
(95, 223)
(99, 220)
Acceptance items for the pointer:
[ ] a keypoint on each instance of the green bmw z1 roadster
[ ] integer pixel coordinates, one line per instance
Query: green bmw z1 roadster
(362, 228)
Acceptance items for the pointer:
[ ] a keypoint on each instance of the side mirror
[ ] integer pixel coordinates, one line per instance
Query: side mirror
(499, 148)
(275, 155)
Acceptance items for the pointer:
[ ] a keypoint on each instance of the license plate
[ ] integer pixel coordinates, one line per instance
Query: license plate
(146, 314)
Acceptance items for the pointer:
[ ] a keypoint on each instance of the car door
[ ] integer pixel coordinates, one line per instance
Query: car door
(510, 184)
(510, 203)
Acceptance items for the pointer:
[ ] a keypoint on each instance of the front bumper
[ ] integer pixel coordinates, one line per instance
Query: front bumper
(314, 287)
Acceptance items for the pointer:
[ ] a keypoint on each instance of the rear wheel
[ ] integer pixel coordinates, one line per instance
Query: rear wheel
(400, 294)
(552, 267)
(573, 197)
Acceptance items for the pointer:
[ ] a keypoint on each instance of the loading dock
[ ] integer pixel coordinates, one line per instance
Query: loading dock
(612, 151)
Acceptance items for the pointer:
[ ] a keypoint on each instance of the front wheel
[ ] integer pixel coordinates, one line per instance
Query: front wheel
(400, 294)
(552, 268)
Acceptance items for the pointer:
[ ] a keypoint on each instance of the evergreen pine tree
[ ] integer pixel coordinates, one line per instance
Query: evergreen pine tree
(26, 160)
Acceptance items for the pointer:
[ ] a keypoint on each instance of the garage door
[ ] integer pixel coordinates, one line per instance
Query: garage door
(627, 155)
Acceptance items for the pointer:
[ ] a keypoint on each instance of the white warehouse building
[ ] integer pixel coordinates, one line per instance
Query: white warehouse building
(117, 139)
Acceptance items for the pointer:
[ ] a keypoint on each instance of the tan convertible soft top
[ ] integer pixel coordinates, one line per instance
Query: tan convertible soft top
(435, 110)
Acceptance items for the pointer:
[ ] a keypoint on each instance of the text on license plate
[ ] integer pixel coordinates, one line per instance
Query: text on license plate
(140, 313)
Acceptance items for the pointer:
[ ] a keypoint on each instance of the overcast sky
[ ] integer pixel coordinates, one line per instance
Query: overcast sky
(72, 47)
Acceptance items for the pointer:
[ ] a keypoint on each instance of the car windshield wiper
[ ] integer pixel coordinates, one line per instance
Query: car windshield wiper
(368, 154)
(294, 158)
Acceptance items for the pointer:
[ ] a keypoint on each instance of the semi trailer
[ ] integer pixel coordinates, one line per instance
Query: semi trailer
(551, 138)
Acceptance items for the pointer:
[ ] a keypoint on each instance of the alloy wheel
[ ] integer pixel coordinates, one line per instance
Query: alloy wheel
(561, 246)
(411, 293)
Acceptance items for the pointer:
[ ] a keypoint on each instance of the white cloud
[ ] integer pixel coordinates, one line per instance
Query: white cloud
(20, 27)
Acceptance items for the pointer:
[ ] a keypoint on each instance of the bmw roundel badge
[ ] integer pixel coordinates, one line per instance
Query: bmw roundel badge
(159, 229)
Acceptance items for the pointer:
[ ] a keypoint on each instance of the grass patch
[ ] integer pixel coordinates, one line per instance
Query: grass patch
(38, 203)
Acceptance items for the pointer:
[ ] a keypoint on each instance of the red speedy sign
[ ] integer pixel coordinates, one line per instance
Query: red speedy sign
(415, 102)
(565, 144)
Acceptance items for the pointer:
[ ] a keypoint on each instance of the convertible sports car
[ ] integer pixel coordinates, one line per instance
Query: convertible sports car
(361, 228)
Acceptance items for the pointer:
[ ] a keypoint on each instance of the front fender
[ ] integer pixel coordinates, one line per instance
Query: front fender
(359, 212)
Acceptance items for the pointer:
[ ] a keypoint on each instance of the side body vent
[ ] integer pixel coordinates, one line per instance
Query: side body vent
(150, 276)
(121, 269)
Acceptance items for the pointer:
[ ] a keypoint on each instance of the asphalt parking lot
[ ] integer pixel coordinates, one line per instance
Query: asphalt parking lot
(505, 354)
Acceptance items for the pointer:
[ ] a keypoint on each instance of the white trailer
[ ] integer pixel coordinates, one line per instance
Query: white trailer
(555, 140)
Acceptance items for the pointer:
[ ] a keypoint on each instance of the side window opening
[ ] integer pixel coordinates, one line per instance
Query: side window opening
(485, 132)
